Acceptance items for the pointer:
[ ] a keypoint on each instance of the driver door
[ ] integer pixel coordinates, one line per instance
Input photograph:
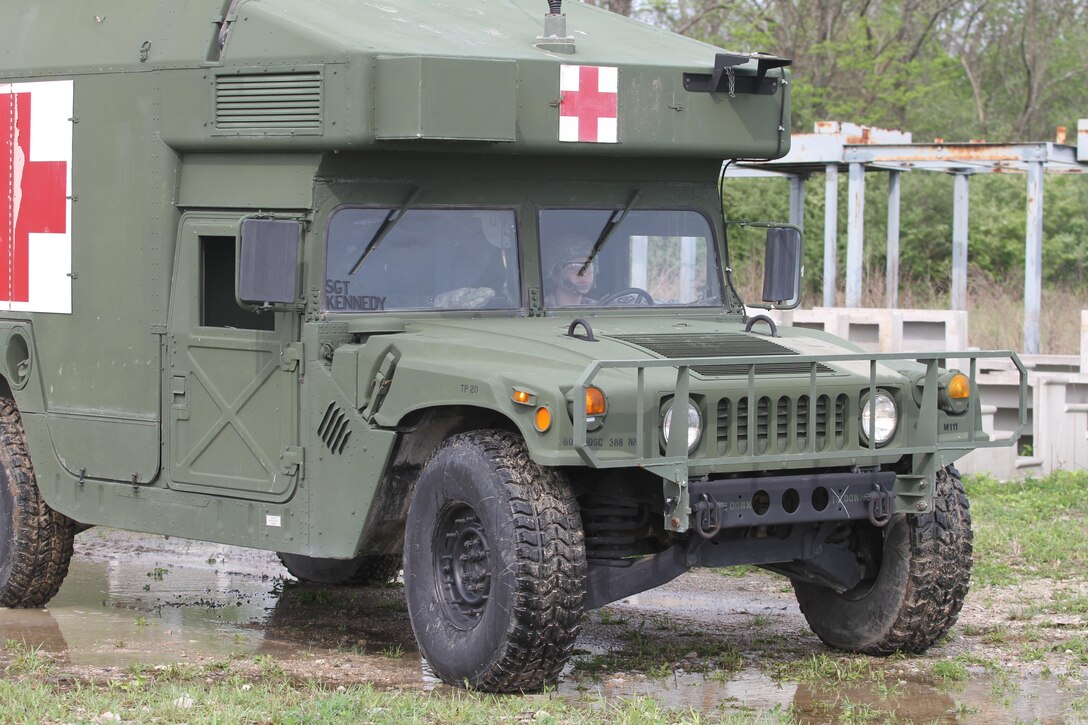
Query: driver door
(233, 386)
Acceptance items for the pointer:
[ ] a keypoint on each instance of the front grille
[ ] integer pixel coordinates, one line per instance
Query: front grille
(733, 344)
(784, 424)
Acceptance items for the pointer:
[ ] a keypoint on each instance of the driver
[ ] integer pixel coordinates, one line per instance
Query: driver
(568, 285)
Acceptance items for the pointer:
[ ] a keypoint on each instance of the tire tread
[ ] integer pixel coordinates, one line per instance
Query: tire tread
(938, 578)
(42, 538)
(550, 567)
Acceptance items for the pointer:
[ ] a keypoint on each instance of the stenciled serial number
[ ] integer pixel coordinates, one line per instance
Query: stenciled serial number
(613, 442)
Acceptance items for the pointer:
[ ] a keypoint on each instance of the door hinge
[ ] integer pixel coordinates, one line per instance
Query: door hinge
(380, 386)
(291, 357)
(536, 304)
(291, 460)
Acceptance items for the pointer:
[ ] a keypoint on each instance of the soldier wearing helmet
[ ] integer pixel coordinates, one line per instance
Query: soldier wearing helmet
(568, 283)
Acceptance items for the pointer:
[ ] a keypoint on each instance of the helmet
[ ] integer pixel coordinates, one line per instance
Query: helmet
(570, 252)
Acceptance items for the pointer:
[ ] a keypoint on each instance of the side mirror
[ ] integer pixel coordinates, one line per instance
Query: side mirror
(782, 270)
(268, 272)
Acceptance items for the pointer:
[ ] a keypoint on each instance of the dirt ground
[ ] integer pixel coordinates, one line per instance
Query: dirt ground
(711, 641)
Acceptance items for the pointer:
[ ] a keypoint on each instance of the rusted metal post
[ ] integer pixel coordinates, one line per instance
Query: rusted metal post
(797, 201)
(831, 232)
(1033, 259)
(960, 209)
(855, 234)
(892, 285)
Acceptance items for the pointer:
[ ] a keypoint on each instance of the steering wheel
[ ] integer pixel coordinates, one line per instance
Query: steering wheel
(634, 295)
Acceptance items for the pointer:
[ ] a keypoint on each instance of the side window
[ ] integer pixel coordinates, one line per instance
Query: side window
(218, 308)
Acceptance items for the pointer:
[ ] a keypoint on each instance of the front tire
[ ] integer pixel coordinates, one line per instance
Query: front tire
(917, 594)
(35, 541)
(494, 565)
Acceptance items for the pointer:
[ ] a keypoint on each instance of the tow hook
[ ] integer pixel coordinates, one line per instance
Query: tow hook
(707, 519)
(880, 506)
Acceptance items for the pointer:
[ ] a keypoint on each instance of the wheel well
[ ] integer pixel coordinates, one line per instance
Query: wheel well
(421, 432)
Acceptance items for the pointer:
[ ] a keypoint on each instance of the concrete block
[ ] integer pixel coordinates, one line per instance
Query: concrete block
(1084, 341)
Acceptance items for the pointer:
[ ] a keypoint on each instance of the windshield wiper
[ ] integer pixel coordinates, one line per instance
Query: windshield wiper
(386, 226)
(609, 226)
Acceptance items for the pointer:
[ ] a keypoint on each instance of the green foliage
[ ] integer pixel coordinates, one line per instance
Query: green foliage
(1034, 528)
(949, 671)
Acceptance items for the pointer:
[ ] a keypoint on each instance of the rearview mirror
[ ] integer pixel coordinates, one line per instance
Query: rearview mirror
(268, 262)
(782, 269)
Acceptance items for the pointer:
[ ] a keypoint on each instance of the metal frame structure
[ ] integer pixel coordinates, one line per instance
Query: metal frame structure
(843, 147)
(673, 465)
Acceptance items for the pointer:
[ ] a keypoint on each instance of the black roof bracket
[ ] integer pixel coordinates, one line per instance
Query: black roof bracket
(725, 80)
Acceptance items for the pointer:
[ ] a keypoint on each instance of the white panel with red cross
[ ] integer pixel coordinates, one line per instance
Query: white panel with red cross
(589, 104)
(36, 183)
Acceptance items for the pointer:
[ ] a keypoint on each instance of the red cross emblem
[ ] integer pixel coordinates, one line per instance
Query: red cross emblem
(589, 104)
(36, 192)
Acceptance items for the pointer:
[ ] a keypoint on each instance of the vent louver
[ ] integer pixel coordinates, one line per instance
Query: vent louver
(722, 345)
(334, 429)
(783, 424)
(269, 101)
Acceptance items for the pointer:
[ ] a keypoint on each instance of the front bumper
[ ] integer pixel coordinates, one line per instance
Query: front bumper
(910, 492)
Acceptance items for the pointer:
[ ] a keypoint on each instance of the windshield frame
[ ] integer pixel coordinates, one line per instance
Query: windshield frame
(715, 240)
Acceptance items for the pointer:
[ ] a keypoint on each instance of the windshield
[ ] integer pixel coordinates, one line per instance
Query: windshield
(422, 259)
(648, 258)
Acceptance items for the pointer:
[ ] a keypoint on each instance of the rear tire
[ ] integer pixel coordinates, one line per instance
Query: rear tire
(917, 595)
(494, 565)
(360, 571)
(35, 540)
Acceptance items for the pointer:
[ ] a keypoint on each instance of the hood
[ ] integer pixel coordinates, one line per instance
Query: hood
(529, 340)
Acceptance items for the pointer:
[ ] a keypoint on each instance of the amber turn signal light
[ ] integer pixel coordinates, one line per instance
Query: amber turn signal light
(523, 397)
(595, 404)
(959, 387)
(543, 419)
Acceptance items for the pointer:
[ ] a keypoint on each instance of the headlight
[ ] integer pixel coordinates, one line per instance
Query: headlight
(887, 416)
(695, 424)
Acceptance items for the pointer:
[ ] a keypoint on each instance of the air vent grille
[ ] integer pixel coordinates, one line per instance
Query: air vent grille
(334, 430)
(783, 424)
(269, 101)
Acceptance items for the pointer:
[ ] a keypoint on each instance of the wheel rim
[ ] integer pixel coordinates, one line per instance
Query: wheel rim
(462, 563)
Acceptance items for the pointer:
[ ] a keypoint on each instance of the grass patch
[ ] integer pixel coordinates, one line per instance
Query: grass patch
(823, 668)
(737, 571)
(1077, 646)
(1030, 528)
(281, 702)
(949, 671)
(27, 659)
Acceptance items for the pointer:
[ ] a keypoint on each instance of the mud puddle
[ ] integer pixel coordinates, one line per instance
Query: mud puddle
(717, 645)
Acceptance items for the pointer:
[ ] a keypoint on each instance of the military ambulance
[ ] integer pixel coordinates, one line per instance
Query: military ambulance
(442, 286)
